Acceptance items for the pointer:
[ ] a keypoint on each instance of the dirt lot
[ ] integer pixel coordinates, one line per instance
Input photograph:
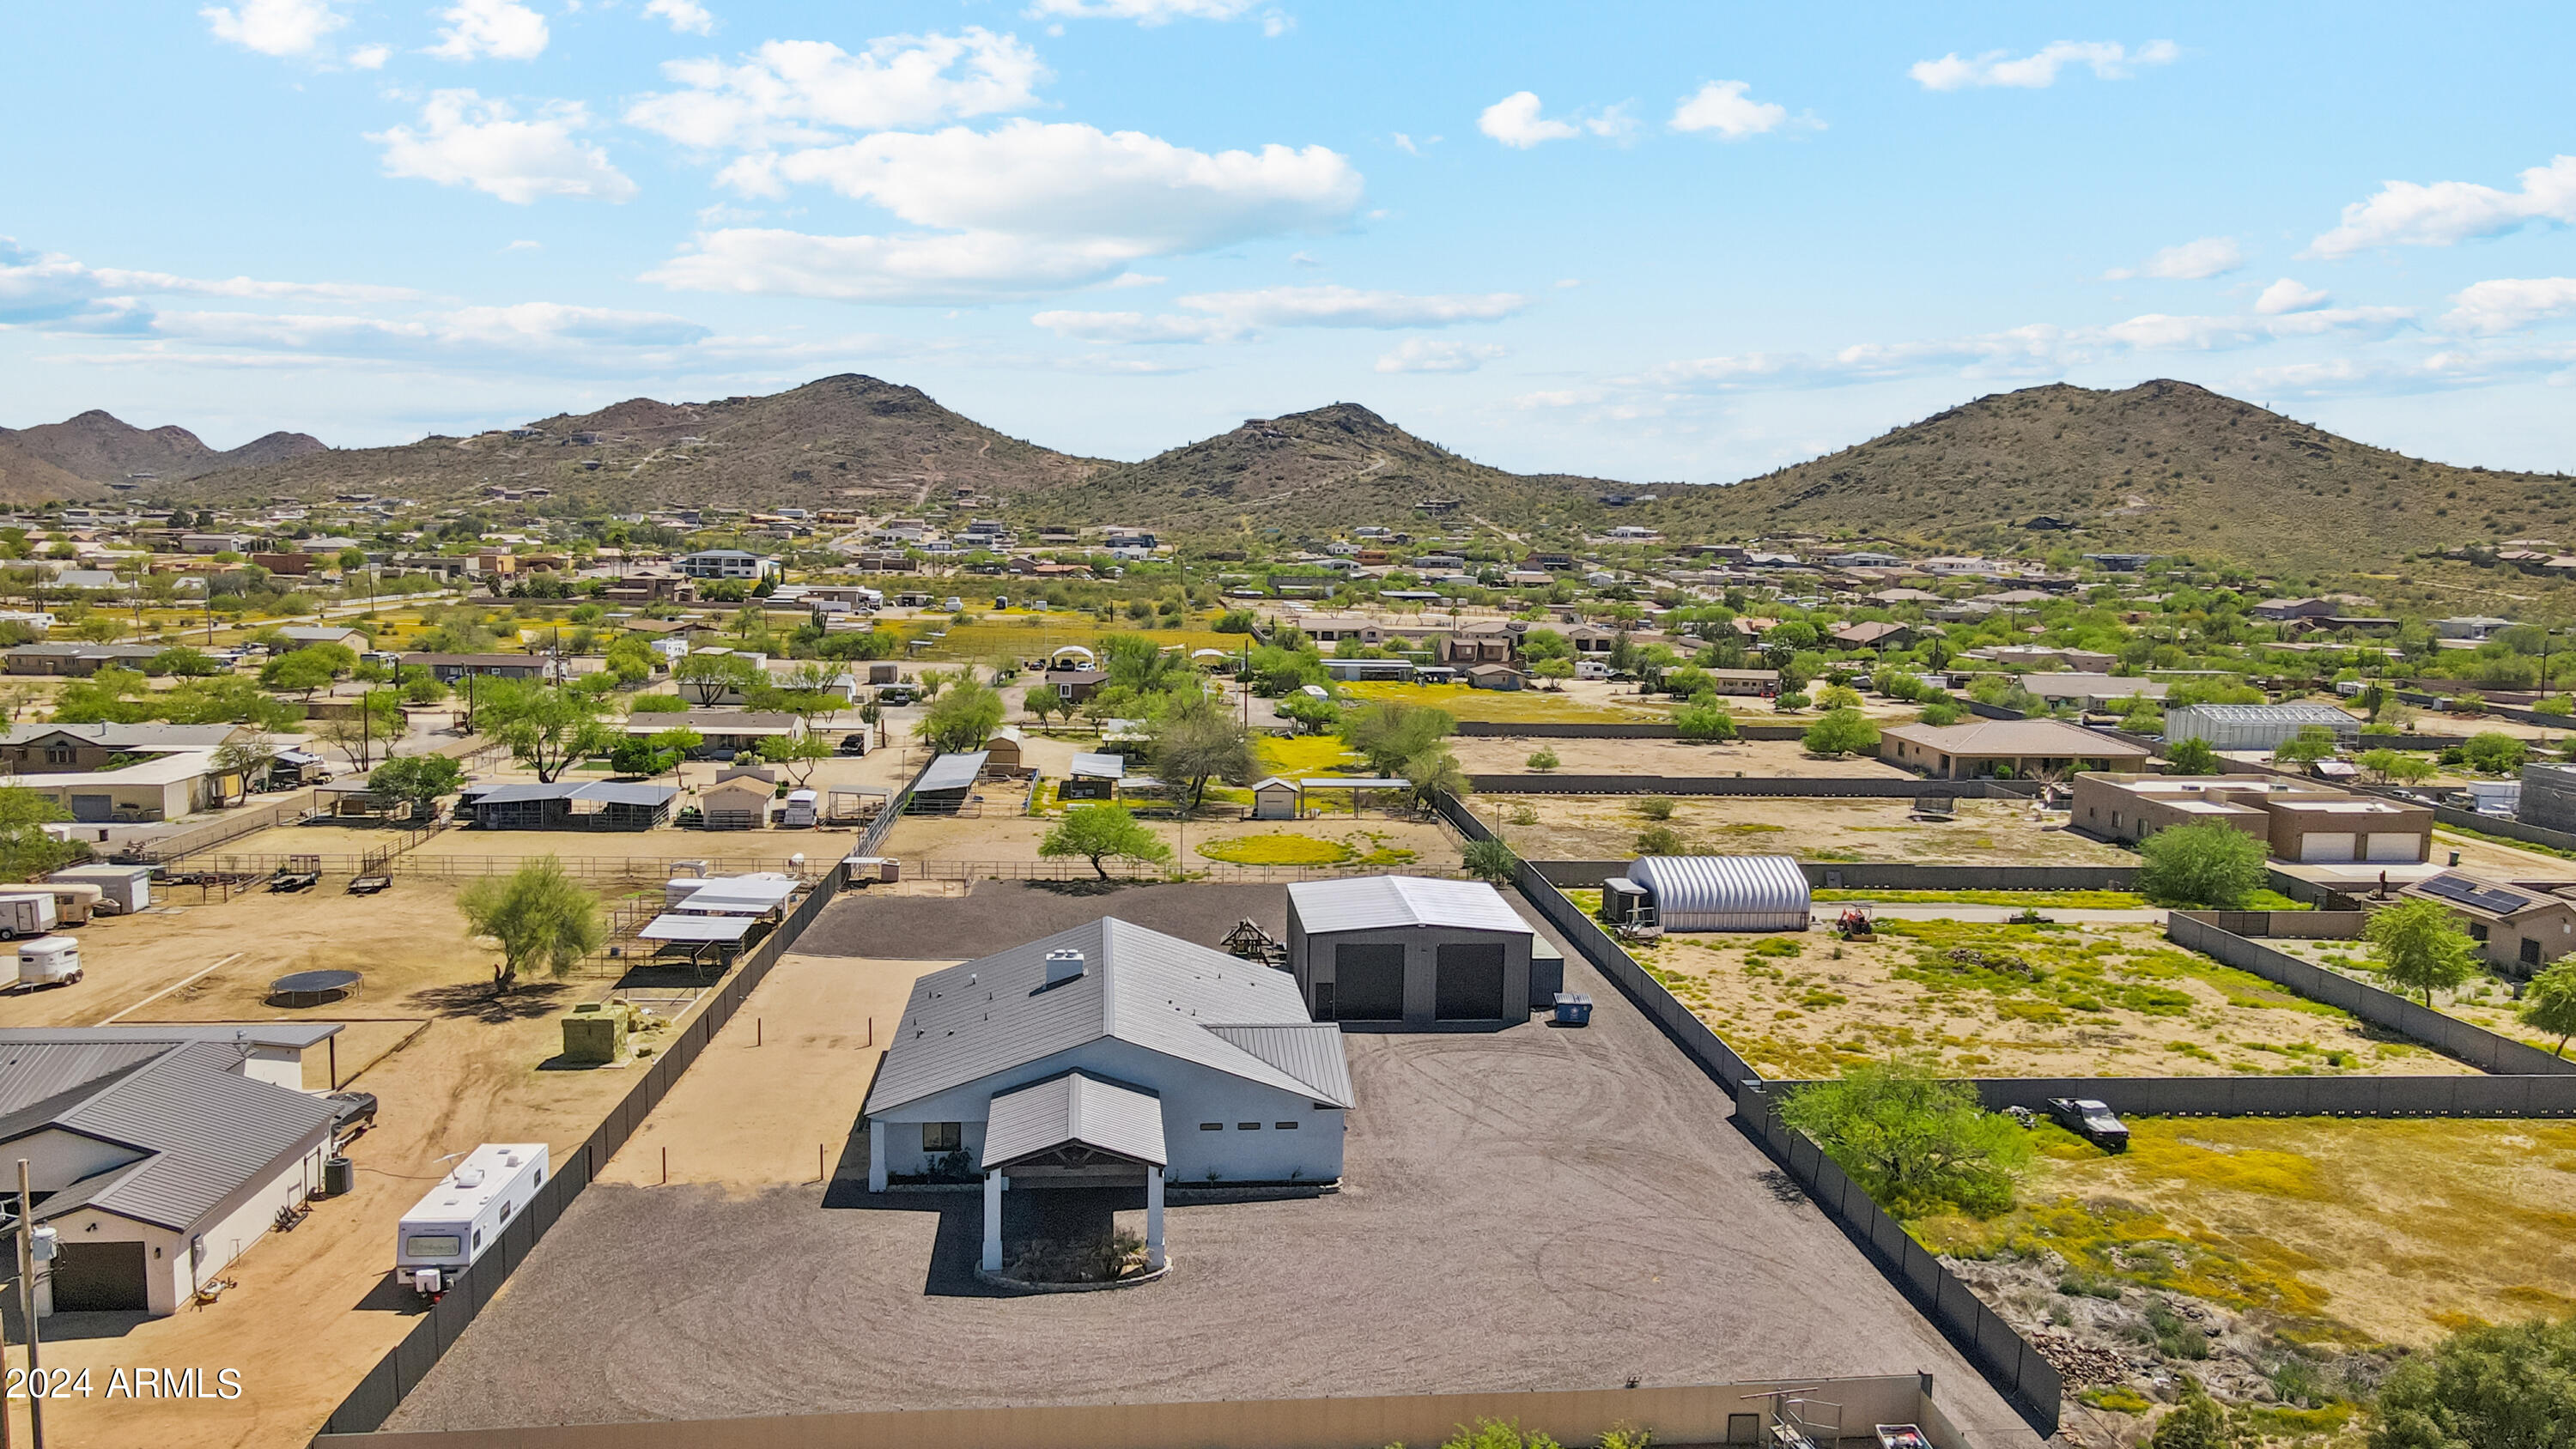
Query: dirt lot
(2485, 1001)
(2022, 1001)
(315, 1308)
(1604, 827)
(1758, 759)
(1587, 1181)
(2330, 1228)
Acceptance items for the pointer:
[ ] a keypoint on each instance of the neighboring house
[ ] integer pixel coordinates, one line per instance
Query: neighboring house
(2280, 610)
(1107, 1055)
(1484, 642)
(1983, 749)
(2296, 820)
(1493, 676)
(157, 1154)
(1874, 634)
(78, 660)
(306, 635)
(729, 563)
(1747, 682)
(450, 668)
(1077, 685)
(163, 787)
(2091, 691)
(2521, 930)
(46, 749)
(725, 732)
(2473, 627)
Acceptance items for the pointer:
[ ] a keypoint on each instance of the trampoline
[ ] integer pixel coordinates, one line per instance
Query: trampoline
(312, 988)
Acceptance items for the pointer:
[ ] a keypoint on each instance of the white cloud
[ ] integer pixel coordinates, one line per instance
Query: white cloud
(801, 91)
(1236, 316)
(1020, 209)
(2508, 304)
(1724, 107)
(2405, 213)
(47, 286)
(2286, 295)
(371, 57)
(1423, 354)
(2109, 60)
(2191, 262)
(1143, 12)
(686, 17)
(524, 245)
(1334, 306)
(465, 140)
(490, 29)
(275, 27)
(1137, 327)
(1515, 121)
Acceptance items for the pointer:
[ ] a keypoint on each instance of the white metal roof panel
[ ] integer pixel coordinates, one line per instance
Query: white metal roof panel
(1366, 903)
(1074, 1108)
(1725, 892)
(697, 928)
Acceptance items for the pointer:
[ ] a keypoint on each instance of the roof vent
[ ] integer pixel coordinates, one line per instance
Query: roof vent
(1063, 966)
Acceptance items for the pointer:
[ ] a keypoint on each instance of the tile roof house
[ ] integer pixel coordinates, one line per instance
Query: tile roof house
(1983, 749)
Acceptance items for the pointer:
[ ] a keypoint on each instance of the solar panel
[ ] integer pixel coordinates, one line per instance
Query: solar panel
(2470, 893)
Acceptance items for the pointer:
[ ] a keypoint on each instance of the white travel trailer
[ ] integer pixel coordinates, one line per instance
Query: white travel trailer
(463, 1216)
(26, 913)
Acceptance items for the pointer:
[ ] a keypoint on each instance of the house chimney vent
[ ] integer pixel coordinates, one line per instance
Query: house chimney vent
(1063, 966)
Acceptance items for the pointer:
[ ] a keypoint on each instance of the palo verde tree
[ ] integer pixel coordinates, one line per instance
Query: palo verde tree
(2208, 866)
(797, 753)
(2421, 947)
(1197, 741)
(2191, 757)
(418, 781)
(963, 716)
(708, 677)
(1841, 731)
(2549, 1003)
(2495, 1386)
(1387, 733)
(539, 915)
(1098, 832)
(1916, 1143)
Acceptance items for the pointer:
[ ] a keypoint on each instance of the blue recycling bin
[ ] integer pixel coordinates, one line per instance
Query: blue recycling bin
(1573, 1008)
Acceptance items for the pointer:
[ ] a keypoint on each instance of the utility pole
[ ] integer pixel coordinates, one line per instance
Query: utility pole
(27, 1305)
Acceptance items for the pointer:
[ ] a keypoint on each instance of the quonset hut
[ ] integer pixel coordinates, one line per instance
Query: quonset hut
(1721, 892)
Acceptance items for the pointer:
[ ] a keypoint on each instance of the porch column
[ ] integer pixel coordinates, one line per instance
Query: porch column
(876, 1156)
(1153, 1217)
(993, 1221)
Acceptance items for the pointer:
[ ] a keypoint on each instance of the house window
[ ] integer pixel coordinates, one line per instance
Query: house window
(1287, 1126)
(1211, 1126)
(1247, 1126)
(62, 754)
(943, 1136)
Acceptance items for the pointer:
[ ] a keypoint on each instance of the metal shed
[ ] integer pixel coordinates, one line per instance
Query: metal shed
(1093, 777)
(946, 784)
(1725, 892)
(1407, 952)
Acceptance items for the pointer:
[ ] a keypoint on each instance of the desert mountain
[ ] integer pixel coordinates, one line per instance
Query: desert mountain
(25, 478)
(839, 442)
(2163, 467)
(1326, 469)
(102, 448)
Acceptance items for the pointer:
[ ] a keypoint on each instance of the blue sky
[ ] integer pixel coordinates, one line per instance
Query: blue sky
(1648, 241)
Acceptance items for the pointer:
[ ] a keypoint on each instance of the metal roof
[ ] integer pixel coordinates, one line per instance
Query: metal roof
(1375, 902)
(1138, 986)
(1071, 1108)
(1309, 1051)
(1355, 782)
(2017, 738)
(513, 794)
(1099, 767)
(115, 736)
(951, 772)
(291, 1035)
(619, 792)
(697, 928)
(2324, 714)
(200, 1131)
(740, 895)
(1725, 892)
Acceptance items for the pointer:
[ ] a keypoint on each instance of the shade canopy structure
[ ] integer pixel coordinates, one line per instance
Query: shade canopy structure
(699, 930)
(1725, 892)
(738, 896)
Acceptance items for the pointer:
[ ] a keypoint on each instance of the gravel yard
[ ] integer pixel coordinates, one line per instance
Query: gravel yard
(1533, 1208)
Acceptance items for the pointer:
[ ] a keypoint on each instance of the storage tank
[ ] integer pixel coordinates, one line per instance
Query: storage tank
(49, 961)
(1725, 892)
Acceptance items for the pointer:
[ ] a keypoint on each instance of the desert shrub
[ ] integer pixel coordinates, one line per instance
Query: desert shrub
(1915, 1143)
(2209, 866)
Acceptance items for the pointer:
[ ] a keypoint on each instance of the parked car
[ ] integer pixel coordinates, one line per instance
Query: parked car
(856, 744)
(351, 1111)
(897, 694)
(2093, 1121)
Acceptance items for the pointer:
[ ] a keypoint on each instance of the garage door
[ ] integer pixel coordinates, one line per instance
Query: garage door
(100, 1278)
(2403, 846)
(1470, 983)
(94, 809)
(2325, 847)
(1369, 983)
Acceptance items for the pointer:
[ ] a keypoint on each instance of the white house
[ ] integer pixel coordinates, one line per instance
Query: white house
(1107, 1055)
(157, 1154)
(728, 563)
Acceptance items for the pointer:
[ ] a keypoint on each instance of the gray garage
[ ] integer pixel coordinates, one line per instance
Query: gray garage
(1411, 953)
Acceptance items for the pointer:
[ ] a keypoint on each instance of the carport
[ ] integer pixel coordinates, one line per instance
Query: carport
(1074, 1130)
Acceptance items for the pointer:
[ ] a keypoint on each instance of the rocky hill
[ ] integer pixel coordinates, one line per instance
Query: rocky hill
(837, 442)
(103, 448)
(2163, 467)
(25, 478)
(1326, 469)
